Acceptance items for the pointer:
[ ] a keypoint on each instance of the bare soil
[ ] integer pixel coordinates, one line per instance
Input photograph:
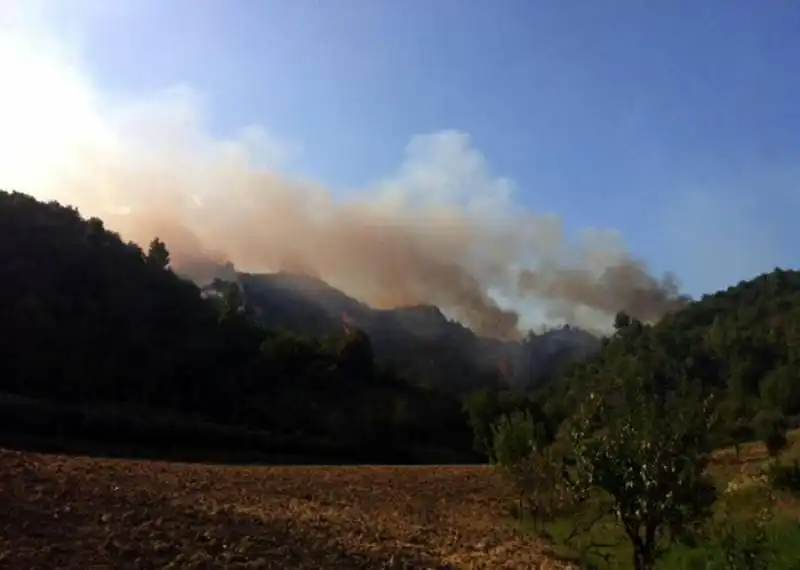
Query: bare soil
(83, 514)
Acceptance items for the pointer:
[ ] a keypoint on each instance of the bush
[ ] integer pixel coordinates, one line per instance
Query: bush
(524, 452)
(771, 427)
(785, 477)
(743, 535)
(743, 545)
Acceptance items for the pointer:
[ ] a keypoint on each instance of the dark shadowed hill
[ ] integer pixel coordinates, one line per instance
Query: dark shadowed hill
(100, 340)
(419, 342)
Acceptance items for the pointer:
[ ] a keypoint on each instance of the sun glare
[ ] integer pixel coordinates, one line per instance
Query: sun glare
(46, 118)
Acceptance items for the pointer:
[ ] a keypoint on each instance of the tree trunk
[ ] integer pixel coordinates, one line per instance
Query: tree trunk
(643, 548)
(643, 558)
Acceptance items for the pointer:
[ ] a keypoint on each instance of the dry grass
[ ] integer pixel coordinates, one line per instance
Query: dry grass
(82, 513)
(749, 469)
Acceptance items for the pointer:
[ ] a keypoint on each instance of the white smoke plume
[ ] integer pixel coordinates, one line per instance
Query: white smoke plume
(442, 230)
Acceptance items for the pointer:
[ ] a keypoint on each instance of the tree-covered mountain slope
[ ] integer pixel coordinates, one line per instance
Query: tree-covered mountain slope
(741, 343)
(418, 342)
(89, 323)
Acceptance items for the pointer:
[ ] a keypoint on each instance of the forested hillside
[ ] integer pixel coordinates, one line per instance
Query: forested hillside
(101, 339)
(742, 344)
(418, 342)
(637, 464)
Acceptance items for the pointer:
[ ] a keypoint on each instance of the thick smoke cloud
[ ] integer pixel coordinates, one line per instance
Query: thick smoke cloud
(625, 286)
(442, 230)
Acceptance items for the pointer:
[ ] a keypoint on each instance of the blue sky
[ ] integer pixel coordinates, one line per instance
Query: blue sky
(675, 122)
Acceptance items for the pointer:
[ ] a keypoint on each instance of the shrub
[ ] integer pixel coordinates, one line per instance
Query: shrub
(771, 427)
(785, 477)
(523, 450)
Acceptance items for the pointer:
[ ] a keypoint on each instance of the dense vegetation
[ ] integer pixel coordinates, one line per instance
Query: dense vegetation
(637, 424)
(101, 340)
(417, 342)
(112, 338)
(742, 344)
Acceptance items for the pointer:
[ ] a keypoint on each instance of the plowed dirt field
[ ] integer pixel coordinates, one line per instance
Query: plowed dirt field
(82, 514)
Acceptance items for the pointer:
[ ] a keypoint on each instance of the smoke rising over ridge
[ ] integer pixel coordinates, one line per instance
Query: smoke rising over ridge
(442, 230)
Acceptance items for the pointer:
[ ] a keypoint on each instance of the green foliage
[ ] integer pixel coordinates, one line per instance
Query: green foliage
(523, 450)
(771, 427)
(645, 450)
(157, 254)
(785, 477)
(740, 343)
(514, 438)
(735, 421)
(745, 534)
(743, 543)
(482, 409)
(647, 409)
(90, 320)
(486, 407)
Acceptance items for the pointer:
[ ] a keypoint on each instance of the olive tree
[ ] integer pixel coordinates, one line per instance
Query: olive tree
(644, 449)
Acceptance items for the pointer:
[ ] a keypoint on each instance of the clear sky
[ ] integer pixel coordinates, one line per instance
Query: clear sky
(676, 122)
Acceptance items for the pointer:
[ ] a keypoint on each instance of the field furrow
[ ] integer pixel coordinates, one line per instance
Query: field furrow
(82, 513)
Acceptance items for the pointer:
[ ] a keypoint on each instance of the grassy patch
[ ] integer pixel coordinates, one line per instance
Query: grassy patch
(742, 485)
(600, 546)
(605, 546)
(781, 550)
